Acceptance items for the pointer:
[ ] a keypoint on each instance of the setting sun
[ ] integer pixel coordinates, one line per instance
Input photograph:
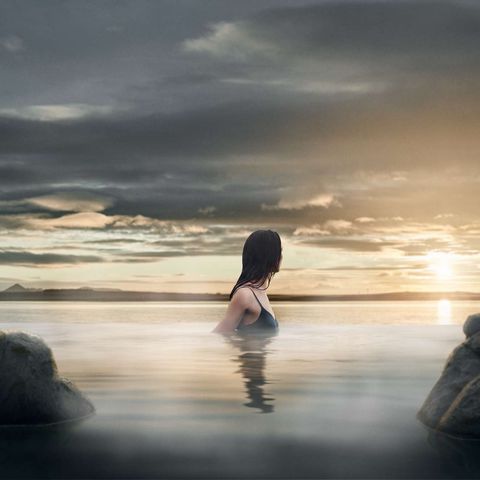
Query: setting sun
(441, 264)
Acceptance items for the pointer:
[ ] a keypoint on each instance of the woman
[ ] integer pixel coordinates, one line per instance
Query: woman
(249, 308)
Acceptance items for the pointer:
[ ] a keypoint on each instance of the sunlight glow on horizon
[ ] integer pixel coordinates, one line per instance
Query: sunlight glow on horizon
(441, 264)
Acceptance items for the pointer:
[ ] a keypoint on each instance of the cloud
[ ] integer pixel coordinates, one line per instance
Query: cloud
(322, 200)
(29, 259)
(82, 220)
(207, 210)
(365, 220)
(12, 43)
(55, 112)
(72, 202)
(328, 43)
(349, 244)
(97, 220)
(315, 29)
(327, 228)
(231, 40)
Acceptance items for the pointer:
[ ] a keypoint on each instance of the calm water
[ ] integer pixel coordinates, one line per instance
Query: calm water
(333, 395)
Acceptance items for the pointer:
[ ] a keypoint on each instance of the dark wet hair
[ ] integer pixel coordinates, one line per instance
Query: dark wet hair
(261, 258)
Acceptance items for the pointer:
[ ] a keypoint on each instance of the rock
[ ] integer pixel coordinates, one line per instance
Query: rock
(472, 325)
(31, 391)
(463, 415)
(453, 405)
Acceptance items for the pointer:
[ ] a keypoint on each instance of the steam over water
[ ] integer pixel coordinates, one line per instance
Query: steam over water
(333, 395)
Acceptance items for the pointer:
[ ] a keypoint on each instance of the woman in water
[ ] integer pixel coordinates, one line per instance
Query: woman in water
(249, 308)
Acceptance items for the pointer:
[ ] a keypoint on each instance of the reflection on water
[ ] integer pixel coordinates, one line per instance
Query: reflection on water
(252, 364)
(444, 312)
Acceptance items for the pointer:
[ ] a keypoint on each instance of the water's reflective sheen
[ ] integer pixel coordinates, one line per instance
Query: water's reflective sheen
(332, 395)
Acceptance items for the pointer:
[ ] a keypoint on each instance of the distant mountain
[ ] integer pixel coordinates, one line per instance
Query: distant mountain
(88, 294)
(90, 289)
(17, 288)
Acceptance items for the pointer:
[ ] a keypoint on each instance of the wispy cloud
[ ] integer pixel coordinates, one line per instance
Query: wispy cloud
(322, 200)
(12, 43)
(39, 260)
(55, 112)
(72, 202)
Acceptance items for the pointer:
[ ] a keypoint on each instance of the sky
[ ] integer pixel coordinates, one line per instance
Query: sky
(141, 142)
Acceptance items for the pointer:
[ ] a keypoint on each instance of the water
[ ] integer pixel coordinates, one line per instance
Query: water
(333, 395)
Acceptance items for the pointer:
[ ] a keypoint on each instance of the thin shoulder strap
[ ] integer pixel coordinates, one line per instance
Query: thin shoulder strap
(259, 302)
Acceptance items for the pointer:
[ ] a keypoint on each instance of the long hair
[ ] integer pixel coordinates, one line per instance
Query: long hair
(261, 258)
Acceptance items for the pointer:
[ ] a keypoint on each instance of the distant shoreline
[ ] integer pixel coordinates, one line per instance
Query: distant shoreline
(92, 295)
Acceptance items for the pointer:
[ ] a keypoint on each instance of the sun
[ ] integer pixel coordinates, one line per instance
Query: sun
(441, 264)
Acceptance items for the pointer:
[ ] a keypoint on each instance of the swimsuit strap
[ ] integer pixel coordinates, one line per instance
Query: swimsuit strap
(259, 302)
(261, 306)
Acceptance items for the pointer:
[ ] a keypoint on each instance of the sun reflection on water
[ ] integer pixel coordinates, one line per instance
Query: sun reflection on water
(444, 312)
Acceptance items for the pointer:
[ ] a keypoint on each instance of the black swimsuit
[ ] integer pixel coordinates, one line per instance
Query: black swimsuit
(265, 321)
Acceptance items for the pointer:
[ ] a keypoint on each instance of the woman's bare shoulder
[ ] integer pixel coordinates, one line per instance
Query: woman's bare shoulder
(242, 291)
(242, 295)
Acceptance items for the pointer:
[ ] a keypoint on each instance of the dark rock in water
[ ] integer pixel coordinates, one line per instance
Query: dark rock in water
(31, 392)
(453, 405)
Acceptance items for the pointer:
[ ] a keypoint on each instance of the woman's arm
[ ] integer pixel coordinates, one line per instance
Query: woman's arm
(235, 311)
